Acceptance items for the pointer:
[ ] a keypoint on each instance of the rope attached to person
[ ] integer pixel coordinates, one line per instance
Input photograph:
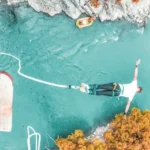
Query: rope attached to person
(35, 79)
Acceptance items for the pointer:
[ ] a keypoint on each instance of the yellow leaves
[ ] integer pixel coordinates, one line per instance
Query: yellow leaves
(119, 146)
(108, 135)
(124, 136)
(101, 147)
(60, 141)
(136, 1)
(64, 144)
(77, 141)
(72, 137)
(113, 125)
(90, 147)
(95, 141)
(95, 3)
(131, 139)
(130, 134)
(81, 147)
(81, 141)
(78, 133)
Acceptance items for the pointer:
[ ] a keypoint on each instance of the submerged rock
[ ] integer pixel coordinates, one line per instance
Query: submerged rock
(136, 12)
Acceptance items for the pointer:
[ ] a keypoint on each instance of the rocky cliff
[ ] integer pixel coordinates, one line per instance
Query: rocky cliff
(136, 12)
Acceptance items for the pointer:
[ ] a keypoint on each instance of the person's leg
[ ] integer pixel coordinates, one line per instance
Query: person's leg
(118, 88)
(92, 86)
(101, 87)
(108, 86)
(91, 89)
(108, 93)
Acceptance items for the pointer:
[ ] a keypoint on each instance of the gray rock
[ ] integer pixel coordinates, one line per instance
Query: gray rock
(108, 10)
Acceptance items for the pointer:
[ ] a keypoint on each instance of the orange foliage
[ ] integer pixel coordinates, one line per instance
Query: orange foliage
(132, 133)
(77, 141)
(136, 1)
(94, 3)
(119, 1)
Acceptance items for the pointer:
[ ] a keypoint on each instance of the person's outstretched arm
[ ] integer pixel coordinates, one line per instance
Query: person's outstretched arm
(136, 70)
(127, 107)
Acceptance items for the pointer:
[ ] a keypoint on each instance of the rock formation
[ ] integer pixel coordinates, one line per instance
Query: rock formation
(136, 12)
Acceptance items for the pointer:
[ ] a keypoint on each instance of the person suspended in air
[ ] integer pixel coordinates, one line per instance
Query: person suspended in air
(115, 89)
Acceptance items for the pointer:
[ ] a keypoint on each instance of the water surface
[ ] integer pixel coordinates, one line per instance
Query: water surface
(55, 50)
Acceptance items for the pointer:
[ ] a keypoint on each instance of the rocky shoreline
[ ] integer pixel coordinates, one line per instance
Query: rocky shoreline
(99, 132)
(135, 12)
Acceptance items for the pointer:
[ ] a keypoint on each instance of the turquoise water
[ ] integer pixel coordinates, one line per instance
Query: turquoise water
(55, 50)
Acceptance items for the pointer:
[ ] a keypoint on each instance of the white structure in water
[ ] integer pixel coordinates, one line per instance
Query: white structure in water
(6, 99)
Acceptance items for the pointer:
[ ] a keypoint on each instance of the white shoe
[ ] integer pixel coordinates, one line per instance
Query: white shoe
(84, 88)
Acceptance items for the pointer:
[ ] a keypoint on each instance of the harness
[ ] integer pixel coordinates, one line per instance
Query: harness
(115, 86)
(114, 89)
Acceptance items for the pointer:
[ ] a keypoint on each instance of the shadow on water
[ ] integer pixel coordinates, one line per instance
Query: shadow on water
(13, 14)
(73, 123)
(8, 12)
(112, 107)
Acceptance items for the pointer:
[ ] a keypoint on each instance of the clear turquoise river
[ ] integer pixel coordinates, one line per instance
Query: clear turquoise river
(54, 49)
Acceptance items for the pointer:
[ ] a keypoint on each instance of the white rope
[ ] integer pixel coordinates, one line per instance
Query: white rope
(35, 79)
(52, 140)
(37, 140)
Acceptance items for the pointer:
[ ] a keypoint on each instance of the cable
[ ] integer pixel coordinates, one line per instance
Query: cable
(35, 79)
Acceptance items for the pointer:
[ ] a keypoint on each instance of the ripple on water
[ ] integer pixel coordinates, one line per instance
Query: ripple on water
(7, 63)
